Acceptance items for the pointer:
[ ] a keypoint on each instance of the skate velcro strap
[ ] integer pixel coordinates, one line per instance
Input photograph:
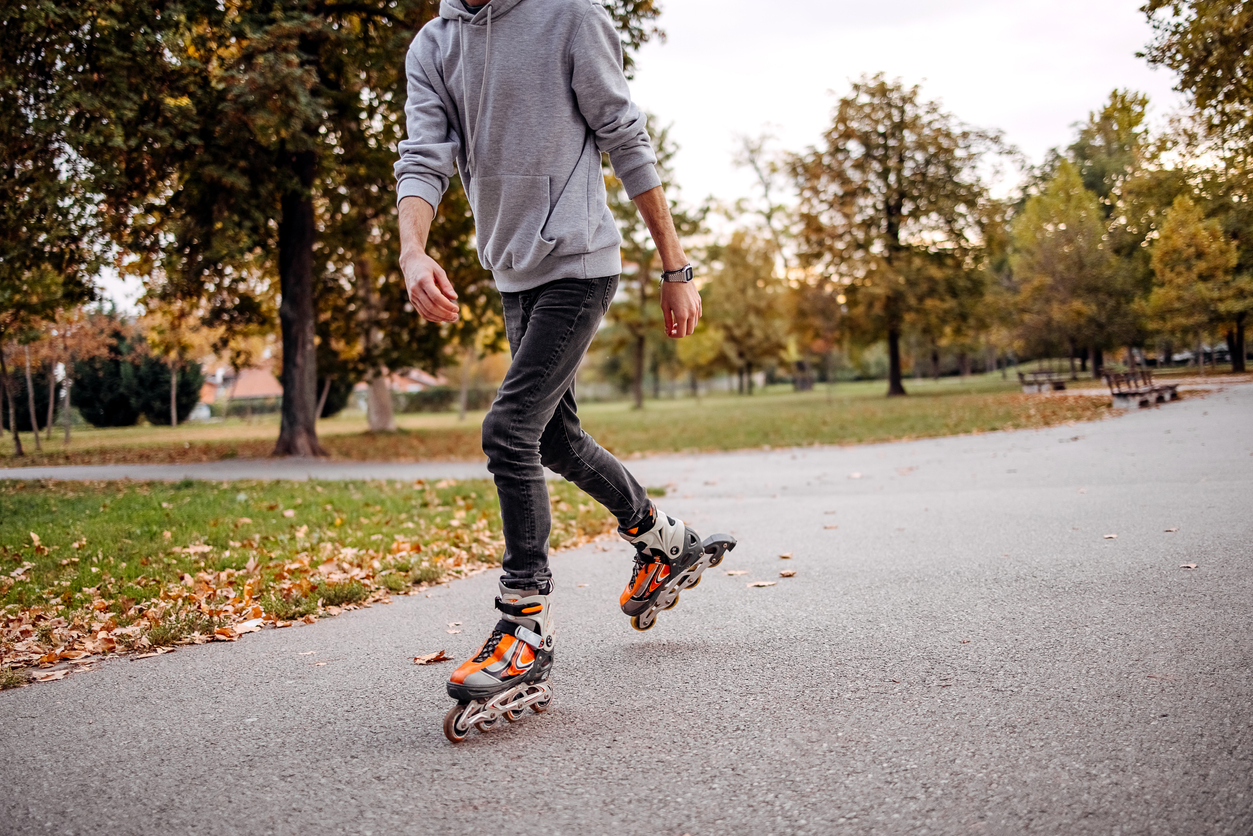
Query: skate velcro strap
(518, 610)
(522, 634)
(535, 640)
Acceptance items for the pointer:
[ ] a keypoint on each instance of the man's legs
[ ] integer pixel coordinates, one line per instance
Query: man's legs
(534, 422)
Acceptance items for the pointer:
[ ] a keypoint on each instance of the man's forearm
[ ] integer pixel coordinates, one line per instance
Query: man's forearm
(416, 216)
(656, 214)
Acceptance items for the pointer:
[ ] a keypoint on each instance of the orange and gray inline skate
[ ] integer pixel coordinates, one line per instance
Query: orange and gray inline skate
(669, 558)
(510, 673)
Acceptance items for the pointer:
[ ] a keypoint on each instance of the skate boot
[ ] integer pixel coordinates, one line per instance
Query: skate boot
(669, 557)
(510, 672)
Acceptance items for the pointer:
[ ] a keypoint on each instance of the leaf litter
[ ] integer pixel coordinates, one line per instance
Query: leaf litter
(278, 587)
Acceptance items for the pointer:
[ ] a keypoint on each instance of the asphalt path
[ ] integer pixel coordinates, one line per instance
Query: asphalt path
(965, 648)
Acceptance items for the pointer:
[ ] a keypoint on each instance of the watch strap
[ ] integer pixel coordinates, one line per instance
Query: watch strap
(682, 275)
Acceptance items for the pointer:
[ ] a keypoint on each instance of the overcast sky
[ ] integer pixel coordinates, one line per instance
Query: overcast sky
(1027, 67)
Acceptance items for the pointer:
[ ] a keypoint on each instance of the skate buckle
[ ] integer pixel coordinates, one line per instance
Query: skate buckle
(534, 639)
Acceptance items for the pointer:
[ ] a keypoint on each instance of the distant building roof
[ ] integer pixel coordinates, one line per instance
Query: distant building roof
(257, 382)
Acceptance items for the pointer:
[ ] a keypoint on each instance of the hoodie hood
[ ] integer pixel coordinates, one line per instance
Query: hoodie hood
(453, 10)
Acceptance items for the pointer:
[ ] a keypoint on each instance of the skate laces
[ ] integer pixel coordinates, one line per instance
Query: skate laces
(490, 646)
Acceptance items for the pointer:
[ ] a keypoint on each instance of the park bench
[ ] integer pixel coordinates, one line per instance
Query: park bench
(1041, 381)
(1137, 389)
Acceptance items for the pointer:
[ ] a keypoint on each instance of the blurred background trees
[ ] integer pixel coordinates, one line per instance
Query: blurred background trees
(237, 159)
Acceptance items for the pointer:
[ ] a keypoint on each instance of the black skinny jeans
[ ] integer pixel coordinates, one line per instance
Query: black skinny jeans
(534, 422)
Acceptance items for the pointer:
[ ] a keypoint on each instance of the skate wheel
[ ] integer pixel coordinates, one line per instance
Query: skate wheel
(695, 583)
(675, 602)
(487, 725)
(454, 730)
(542, 706)
(513, 715)
(640, 625)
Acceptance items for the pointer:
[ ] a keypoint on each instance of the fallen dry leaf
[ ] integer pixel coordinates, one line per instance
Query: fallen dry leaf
(1111, 536)
(49, 676)
(830, 527)
(431, 658)
(289, 513)
(734, 572)
(1083, 490)
(309, 619)
(761, 584)
(454, 624)
(319, 664)
(1187, 565)
(582, 585)
(452, 632)
(1171, 530)
(785, 556)
(854, 475)
(251, 626)
(787, 573)
(307, 653)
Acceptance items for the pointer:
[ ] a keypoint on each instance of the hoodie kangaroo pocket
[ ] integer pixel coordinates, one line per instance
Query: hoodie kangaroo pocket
(510, 212)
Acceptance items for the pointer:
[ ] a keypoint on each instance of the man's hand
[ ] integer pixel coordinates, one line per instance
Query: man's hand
(681, 305)
(429, 289)
(679, 301)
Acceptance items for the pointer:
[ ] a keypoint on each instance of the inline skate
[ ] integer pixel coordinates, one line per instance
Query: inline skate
(510, 673)
(669, 558)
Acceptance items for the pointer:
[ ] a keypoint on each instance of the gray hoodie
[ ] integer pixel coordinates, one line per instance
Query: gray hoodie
(522, 98)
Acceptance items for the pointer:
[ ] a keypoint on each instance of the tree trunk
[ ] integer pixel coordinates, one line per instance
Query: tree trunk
(1237, 350)
(1074, 374)
(65, 415)
(7, 384)
(895, 385)
(173, 394)
(1200, 354)
(30, 402)
(748, 377)
(379, 412)
(935, 363)
(694, 384)
(298, 431)
(1098, 363)
(326, 393)
(963, 362)
(637, 372)
(52, 399)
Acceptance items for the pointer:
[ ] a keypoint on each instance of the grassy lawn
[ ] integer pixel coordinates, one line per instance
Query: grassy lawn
(847, 413)
(130, 566)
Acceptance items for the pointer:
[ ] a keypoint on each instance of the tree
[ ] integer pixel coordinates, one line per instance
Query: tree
(1194, 263)
(746, 305)
(47, 249)
(75, 336)
(1207, 43)
(893, 194)
(1071, 292)
(175, 332)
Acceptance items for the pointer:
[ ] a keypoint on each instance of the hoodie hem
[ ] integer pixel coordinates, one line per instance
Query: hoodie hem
(607, 262)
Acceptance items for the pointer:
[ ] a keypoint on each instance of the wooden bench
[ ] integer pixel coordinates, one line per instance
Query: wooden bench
(1137, 389)
(1041, 381)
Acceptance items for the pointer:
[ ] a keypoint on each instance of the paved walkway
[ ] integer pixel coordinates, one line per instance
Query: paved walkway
(964, 649)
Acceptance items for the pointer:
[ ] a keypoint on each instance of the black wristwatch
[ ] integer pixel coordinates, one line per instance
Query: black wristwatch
(680, 276)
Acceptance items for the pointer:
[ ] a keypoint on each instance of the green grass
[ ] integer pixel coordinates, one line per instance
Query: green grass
(10, 678)
(153, 564)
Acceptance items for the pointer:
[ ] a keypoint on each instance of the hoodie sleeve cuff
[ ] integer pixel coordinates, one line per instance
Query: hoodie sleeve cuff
(413, 187)
(640, 179)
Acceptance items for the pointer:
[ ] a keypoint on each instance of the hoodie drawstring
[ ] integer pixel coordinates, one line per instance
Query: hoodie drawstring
(465, 95)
